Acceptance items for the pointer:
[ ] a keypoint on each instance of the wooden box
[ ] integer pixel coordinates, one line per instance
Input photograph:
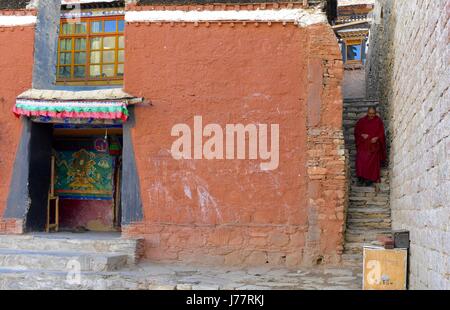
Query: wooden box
(384, 269)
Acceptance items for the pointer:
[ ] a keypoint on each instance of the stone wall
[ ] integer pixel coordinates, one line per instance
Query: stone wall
(408, 70)
(354, 84)
(231, 211)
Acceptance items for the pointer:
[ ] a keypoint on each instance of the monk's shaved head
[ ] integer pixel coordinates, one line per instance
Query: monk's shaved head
(371, 112)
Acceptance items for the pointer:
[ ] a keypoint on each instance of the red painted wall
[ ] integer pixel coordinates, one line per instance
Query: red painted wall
(16, 63)
(229, 211)
(223, 211)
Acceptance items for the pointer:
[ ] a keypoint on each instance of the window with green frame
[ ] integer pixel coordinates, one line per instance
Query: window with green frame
(91, 51)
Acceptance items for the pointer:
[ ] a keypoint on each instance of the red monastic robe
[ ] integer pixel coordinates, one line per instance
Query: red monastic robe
(369, 155)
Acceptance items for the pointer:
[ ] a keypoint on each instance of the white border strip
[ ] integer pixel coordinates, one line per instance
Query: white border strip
(298, 16)
(70, 14)
(12, 20)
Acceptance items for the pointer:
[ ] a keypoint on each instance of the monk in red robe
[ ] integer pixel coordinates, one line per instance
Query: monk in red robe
(370, 147)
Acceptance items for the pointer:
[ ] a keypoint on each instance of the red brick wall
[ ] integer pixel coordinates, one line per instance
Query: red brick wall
(229, 211)
(16, 63)
(11, 226)
(327, 179)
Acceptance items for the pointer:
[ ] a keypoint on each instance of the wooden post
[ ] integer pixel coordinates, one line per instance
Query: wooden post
(55, 199)
(52, 177)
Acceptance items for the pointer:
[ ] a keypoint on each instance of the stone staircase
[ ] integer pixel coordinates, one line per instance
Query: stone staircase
(44, 261)
(368, 213)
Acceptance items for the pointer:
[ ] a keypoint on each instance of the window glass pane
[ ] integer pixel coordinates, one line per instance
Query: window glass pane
(80, 28)
(94, 71)
(79, 72)
(110, 25)
(354, 52)
(95, 57)
(65, 58)
(121, 42)
(67, 28)
(108, 70)
(66, 44)
(96, 43)
(109, 56)
(121, 56)
(109, 43)
(64, 72)
(121, 25)
(96, 27)
(80, 44)
(120, 70)
(80, 58)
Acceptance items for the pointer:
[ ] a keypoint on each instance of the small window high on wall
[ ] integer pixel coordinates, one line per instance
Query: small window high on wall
(91, 51)
(354, 52)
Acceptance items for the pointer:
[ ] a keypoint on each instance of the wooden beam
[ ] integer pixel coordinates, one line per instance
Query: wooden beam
(350, 24)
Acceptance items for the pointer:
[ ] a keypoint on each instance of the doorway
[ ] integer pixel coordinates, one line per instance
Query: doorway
(74, 177)
(87, 164)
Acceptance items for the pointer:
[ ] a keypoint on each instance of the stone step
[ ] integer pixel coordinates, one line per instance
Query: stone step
(369, 195)
(351, 110)
(368, 198)
(61, 261)
(369, 233)
(360, 102)
(374, 188)
(364, 237)
(354, 247)
(375, 200)
(363, 189)
(383, 172)
(384, 182)
(356, 108)
(349, 120)
(354, 207)
(368, 209)
(354, 115)
(103, 243)
(350, 259)
(373, 194)
(384, 177)
(368, 223)
(367, 220)
(21, 279)
(369, 213)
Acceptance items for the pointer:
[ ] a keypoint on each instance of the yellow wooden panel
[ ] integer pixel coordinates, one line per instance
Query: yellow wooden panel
(384, 269)
(353, 42)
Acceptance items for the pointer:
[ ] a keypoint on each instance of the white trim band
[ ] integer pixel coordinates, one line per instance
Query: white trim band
(301, 17)
(71, 14)
(13, 20)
